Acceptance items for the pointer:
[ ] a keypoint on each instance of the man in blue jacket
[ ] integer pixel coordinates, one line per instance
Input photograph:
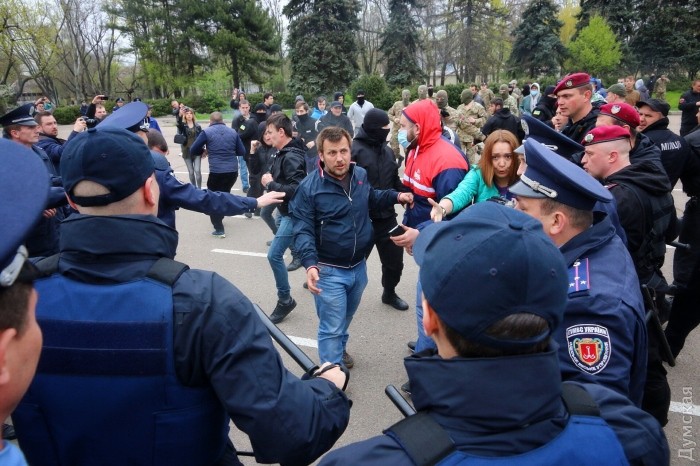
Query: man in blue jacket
(332, 235)
(146, 361)
(224, 146)
(494, 293)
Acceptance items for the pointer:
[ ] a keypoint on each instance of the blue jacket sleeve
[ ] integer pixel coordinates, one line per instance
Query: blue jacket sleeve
(220, 341)
(640, 434)
(376, 451)
(207, 202)
(198, 144)
(240, 148)
(303, 213)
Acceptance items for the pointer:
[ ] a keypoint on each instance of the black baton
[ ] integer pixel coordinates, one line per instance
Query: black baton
(399, 401)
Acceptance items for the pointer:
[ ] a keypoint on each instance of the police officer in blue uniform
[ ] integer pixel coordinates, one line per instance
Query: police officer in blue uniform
(174, 193)
(19, 126)
(494, 295)
(146, 361)
(603, 337)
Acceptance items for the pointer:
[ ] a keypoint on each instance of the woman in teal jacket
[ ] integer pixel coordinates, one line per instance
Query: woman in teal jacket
(497, 171)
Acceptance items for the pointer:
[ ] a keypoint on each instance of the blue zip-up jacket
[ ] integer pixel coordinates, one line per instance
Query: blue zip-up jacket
(175, 194)
(503, 407)
(53, 147)
(223, 145)
(219, 344)
(332, 226)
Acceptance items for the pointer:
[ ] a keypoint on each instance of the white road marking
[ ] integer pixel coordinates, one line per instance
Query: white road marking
(684, 408)
(242, 253)
(300, 341)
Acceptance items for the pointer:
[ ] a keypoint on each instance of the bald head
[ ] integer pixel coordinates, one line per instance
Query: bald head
(603, 159)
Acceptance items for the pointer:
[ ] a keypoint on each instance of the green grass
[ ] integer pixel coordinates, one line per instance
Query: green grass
(672, 98)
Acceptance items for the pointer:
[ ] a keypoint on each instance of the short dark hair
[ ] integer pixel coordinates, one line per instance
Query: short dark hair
(521, 326)
(267, 95)
(332, 134)
(321, 98)
(497, 102)
(39, 116)
(580, 219)
(7, 130)
(156, 140)
(280, 120)
(301, 104)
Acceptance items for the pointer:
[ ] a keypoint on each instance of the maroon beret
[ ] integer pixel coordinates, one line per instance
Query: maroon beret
(622, 112)
(604, 134)
(572, 81)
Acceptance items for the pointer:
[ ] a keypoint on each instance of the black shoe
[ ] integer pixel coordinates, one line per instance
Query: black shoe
(248, 215)
(348, 361)
(412, 345)
(406, 388)
(8, 432)
(282, 310)
(305, 286)
(269, 243)
(245, 190)
(295, 264)
(394, 301)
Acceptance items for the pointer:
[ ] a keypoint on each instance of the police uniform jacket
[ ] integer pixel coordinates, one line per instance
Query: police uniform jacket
(603, 336)
(175, 194)
(379, 162)
(508, 412)
(675, 151)
(218, 341)
(645, 150)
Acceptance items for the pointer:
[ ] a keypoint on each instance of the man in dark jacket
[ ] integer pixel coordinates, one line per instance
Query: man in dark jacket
(502, 118)
(177, 353)
(689, 104)
(488, 330)
(48, 136)
(287, 171)
(333, 234)
(545, 108)
(371, 152)
(306, 131)
(246, 127)
(647, 213)
(574, 94)
(335, 117)
(223, 147)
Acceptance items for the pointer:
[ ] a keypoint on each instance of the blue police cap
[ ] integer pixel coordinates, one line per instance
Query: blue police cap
(113, 157)
(487, 263)
(23, 115)
(550, 176)
(550, 137)
(131, 116)
(24, 190)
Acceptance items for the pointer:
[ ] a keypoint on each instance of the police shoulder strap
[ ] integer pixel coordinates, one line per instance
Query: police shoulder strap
(427, 443)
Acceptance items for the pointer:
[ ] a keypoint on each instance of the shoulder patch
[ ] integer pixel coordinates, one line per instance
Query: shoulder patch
(589, 347)
(579, 277)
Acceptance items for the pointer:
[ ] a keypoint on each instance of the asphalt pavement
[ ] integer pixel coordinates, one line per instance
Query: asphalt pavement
(378, 333)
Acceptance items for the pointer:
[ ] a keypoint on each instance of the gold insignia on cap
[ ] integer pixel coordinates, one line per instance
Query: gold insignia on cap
(569, 83)
(589, 137)
(615, 109)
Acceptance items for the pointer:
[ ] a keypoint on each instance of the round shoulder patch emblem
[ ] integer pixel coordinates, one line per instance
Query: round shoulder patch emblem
(589, 347)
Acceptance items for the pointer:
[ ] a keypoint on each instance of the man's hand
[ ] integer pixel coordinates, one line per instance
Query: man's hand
(312, 280)
(79, 125)
(407, 239)
(48, 213)
(335, 375)
(266, 179)
(254, 146)
(310, 144)
(269, 198)
(471, 120)
(98, 99)
(439, 211)
(406, 198)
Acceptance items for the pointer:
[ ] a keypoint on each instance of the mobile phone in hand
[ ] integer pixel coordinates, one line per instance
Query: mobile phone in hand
(398, 230)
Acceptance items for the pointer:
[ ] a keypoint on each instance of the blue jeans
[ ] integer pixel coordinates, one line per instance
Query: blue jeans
(424, 341)
(341, 291)
(280, 243)
(243, 172)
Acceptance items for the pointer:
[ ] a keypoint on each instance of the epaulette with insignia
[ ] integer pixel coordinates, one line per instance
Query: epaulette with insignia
(579, 276)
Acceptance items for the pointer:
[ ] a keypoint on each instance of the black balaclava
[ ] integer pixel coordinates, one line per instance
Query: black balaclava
(373, 124)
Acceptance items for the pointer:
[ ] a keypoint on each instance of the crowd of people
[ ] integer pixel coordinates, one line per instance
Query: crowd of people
(539, 220)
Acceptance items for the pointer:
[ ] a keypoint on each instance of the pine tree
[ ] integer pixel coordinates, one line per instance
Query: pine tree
(322, 48)
(400, 45)
(538, 48)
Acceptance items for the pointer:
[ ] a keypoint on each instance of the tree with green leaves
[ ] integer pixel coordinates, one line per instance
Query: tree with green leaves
(596, 50)
(622, 18)
(537, 47)
(669, 36)
(400, 44)
(322, 47)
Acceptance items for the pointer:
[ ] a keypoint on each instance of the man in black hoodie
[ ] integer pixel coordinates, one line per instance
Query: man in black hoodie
(502, 119)
(646, 211)
(371, 152)
(287, 171)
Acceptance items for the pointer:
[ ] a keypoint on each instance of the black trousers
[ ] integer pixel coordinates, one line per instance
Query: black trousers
(221, 182)
(390, 255)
